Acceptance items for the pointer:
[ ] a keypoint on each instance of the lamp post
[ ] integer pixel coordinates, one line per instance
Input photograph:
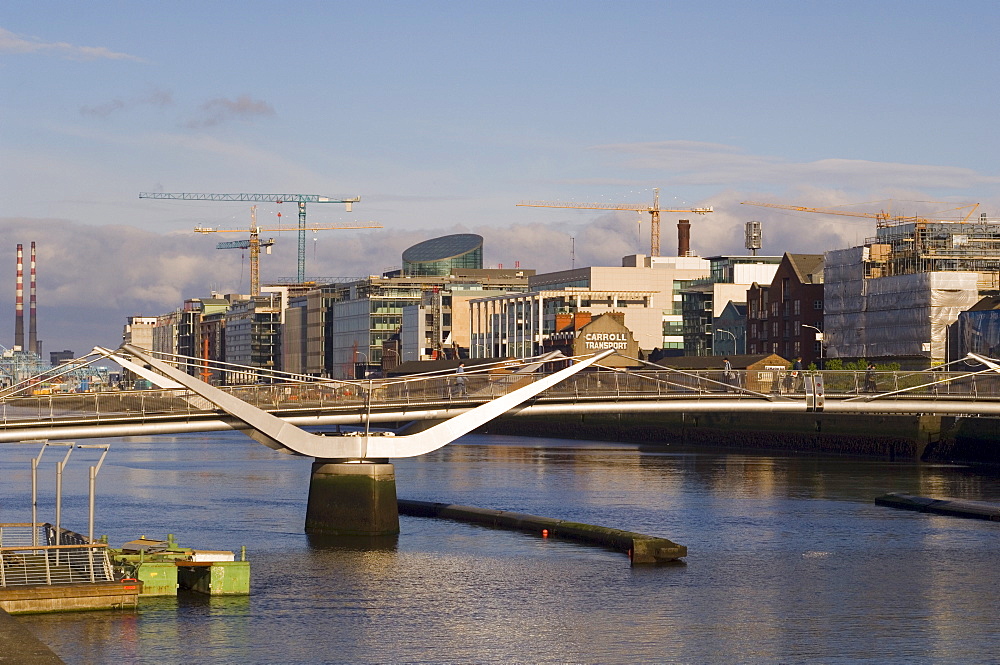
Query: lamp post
(94, 470)
(723, 330)
(35, 462)
(819, 338)
(368, 394)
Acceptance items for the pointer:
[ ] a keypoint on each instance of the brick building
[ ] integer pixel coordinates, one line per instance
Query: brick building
(782, 316)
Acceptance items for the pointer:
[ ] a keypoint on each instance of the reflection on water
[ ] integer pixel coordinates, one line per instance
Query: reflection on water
(789, 559)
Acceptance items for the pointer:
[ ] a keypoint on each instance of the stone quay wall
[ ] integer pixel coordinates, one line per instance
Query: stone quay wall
(927, 438)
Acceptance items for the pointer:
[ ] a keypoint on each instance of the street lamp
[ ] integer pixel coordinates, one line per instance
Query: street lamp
(368, 394)
(819, 338)
(723, 330)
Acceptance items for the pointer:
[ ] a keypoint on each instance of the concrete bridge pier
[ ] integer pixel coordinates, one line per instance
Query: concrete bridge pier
(352, 498)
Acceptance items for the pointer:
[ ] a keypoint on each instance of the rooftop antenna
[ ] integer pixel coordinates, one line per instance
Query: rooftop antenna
(572, 252)
(754, 236)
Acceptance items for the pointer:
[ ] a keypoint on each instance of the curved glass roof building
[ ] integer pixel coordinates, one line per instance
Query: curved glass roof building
(441, 256)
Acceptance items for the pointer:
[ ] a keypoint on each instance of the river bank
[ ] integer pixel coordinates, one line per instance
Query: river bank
(926, 438)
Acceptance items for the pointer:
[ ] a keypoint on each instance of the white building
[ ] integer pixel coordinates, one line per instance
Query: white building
(644, 289)
(139, 331)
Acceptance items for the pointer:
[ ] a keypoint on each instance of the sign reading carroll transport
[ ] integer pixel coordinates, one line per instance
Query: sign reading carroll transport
(607, 332)
(601, 341)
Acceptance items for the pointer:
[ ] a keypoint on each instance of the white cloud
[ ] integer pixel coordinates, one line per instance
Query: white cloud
(694, 163)
(20, 44)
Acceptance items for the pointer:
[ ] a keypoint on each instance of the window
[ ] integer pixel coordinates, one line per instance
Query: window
(818, 305)
(798, 307)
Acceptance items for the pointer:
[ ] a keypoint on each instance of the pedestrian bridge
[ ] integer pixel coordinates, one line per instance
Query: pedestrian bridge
(352, 487)
(32, 411)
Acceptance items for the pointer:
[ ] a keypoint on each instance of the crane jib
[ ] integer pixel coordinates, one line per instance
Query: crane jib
(271, 198)
(301, 199)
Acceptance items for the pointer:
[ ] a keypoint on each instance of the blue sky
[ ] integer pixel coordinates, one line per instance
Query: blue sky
(442, 116)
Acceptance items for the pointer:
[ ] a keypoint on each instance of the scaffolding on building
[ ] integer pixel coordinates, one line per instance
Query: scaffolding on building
(910, 248)
(898, 294)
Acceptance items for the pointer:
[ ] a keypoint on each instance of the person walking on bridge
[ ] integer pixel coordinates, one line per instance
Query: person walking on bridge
(460, 388)
(797, 373)
(870, 379)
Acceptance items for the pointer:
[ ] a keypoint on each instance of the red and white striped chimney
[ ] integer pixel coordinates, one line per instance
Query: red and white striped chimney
(19, 301)
(32, 307)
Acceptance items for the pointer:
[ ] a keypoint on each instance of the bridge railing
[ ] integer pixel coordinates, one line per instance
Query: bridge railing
(479, 386)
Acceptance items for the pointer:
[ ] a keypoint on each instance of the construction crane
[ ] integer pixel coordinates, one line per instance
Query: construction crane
(653, 210)
(883, 218)
(254, 244)
(301, 199)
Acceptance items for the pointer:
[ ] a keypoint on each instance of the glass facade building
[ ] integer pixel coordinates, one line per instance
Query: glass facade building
(440, 257)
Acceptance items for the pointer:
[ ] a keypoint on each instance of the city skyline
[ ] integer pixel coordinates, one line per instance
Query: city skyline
(442, 116)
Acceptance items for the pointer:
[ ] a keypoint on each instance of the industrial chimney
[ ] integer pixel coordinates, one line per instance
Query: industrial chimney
(32, 307)
(684, 237)
(19, 301)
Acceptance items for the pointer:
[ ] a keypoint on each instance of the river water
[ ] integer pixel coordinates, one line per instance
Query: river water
(789, 559)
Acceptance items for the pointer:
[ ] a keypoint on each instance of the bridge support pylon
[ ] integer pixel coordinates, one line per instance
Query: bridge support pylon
(352, 499)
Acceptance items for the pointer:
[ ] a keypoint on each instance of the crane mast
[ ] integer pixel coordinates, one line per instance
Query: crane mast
(653, 210)
(253, 244)
(300, 199)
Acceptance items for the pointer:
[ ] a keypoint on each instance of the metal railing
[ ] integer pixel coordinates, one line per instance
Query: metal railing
(475, 387)
(75, 560)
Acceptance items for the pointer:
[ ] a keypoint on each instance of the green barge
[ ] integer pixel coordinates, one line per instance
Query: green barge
(164, 567)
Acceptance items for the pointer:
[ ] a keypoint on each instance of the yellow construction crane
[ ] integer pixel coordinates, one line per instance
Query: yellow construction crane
(883, 218)
(653, 210)
(254, 243)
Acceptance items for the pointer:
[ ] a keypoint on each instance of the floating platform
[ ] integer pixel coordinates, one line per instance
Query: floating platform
(45, 569)
(75, 597)
(163, 567)
(642, 549)
(980, 510)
